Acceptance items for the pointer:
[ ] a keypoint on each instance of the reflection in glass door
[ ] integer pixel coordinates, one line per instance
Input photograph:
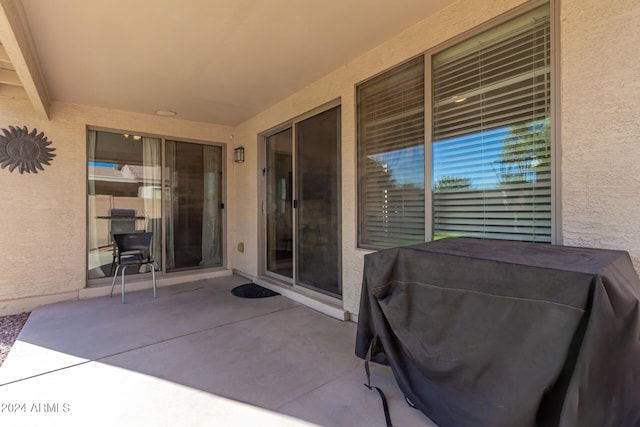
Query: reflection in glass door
(194, 205)
(279, 203)
(123, 196)
(128, 187)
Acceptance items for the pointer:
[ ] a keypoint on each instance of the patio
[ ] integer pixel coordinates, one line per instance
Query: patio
(196, 355)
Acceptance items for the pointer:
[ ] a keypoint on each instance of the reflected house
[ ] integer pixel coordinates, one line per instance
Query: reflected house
(131, 187)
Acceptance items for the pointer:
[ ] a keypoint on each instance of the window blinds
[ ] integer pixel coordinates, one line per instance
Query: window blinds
(491, 133)
(391, 157)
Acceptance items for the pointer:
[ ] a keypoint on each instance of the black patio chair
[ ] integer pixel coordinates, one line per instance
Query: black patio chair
(122, 221)
(133, 250)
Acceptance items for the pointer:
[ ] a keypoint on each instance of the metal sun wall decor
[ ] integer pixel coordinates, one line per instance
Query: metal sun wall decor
(24, 150)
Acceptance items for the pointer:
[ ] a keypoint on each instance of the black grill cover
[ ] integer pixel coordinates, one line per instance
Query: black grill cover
(497, 333)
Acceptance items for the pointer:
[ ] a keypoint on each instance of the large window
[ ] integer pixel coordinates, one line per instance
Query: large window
(491, 148)
(391, 157)
(490, 164)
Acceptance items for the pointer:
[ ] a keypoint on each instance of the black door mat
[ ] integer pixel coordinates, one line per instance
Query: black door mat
(251, 290)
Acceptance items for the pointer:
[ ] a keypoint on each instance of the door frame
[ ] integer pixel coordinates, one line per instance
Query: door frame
(262, 185)
(163, 139)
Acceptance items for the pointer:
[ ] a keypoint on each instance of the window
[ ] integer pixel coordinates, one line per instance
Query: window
(491, 152)
(490, 161)
(391, 157)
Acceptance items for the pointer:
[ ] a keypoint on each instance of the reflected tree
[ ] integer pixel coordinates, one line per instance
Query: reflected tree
(451, 183)
(393, 211)
(525, 152)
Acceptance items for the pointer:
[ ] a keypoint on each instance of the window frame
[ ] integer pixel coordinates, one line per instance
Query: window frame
(555, 149)
(263, 264)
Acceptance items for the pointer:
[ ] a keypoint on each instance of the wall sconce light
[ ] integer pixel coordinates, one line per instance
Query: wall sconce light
(238, 155)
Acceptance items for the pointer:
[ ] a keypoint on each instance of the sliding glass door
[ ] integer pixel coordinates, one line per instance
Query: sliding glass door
(302, 203)
(128, 192)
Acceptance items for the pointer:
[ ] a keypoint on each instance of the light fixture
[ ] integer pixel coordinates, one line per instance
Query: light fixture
(457, 99)
(166, 113)
(238, 155)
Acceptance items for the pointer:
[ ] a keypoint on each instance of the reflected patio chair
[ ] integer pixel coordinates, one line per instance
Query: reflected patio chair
(133, 251)
(122, 221)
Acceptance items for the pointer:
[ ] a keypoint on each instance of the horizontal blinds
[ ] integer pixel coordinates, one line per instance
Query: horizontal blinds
(391, 157)
(491, 134)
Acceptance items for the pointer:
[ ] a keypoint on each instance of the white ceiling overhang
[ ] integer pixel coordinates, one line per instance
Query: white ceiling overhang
(216, 61)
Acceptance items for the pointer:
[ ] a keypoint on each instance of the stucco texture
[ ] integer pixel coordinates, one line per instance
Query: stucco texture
(600, 124)
(42, 249)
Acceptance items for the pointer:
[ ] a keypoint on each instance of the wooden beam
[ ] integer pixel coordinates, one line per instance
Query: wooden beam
(4, 57)
(18, 45)
(13, 92)
(9, 77)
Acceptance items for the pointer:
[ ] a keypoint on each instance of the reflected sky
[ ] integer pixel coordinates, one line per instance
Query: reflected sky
(477, 156)
(103, 165)
(473, 156)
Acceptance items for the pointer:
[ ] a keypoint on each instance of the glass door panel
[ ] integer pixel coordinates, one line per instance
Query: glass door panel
(279, 203)
(318, 190)
(124, 195)
(194, 205)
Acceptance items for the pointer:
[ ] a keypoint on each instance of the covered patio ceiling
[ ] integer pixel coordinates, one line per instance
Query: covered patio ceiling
(219, 61)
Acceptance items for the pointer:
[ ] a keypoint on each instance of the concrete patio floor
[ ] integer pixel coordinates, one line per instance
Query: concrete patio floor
(195, 356)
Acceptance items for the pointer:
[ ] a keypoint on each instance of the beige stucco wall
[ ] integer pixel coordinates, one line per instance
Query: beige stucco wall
(42, 246)
(43, 215)
(601, 124)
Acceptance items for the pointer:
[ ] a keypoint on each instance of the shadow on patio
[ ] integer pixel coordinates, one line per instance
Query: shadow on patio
(195, 356)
